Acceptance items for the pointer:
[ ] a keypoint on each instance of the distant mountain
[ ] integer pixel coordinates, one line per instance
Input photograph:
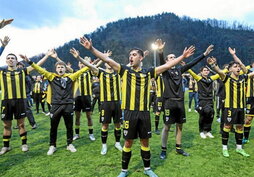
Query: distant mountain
(177, 32)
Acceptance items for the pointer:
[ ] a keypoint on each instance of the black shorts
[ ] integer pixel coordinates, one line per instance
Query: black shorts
(233, 116)
(250, 107)
(159, 104)
(137, 124)
(110, 109)
(174, 112)
(16, 107)
(83, 103)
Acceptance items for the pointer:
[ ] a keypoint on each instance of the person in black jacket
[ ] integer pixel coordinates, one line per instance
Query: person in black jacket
(96, 92)
(174, 111)
(62, 98)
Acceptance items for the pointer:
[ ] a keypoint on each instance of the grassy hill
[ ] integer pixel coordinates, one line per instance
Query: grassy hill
(178, 32)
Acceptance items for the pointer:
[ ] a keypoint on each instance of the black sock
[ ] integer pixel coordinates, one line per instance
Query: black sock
(23, 138)
(104, 136)
(238, 137)
(224, 137)
(157, 118)
(163, 148)
(146, 156)
(90, 129)
(178, 146)
(77, 129)
(6, 141)
(126, 156)
(117, 133)
(246, 132)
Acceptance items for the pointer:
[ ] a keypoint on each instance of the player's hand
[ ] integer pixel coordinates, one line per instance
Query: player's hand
(211, 60)
(86, 43)
(4, 22)
(74, 52)
(160, 45)
(5, 41)
(24, 57)
(108, 53)
(231, 51)
(208, 50)
(188, 51)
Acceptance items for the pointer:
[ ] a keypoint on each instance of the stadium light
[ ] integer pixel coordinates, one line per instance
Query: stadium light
(154, 47)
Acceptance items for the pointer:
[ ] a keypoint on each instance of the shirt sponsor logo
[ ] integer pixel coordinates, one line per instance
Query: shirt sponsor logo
(125, 132)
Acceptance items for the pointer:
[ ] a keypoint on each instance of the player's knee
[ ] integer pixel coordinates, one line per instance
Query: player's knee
(248, 120)
(239, 128)
(105, 126)
(7, 127)
(21, 125)
(128, 143)
(144, 142)
(117, 125)
(227, 128)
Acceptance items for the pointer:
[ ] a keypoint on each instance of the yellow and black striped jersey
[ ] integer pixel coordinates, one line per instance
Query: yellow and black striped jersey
(159, 86)
(38, 87)
(136, 88)
(250, 88)
(193, 85)
(250, 84)
(109, 86)
(85, 83)
(235, 91)
(13, 84)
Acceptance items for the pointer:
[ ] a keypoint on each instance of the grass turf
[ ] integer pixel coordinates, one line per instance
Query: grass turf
(206, 154)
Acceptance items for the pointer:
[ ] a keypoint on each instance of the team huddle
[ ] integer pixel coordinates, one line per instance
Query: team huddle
(124, 95)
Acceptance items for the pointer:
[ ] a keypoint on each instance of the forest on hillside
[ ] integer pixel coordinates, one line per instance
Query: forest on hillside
(177, 32)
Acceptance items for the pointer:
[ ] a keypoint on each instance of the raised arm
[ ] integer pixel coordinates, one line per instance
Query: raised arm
(186, 53)
(1, 50)
(5, 41)
(213, 63)
(55, 56)
(88, 45)
(4, 44)
(236, 59)
(42, 71)
(198, 59)
(160, 47)
(108, 53)
(194, 75)
(76, 55)
(40, 62)
(4, 22)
